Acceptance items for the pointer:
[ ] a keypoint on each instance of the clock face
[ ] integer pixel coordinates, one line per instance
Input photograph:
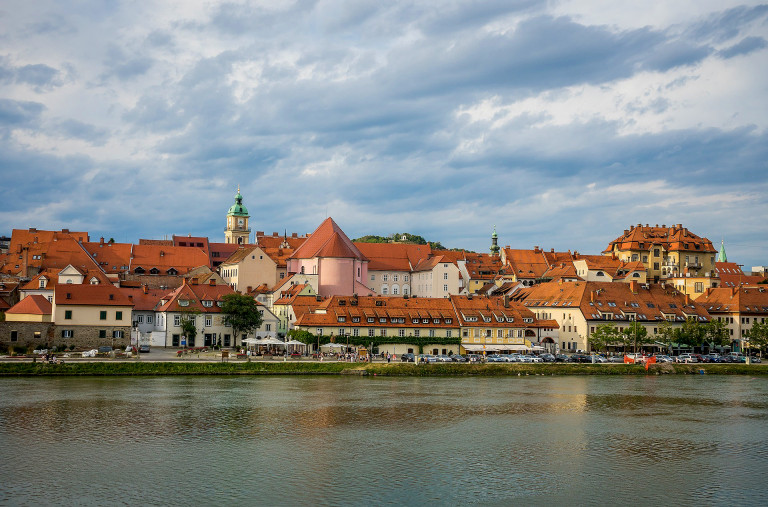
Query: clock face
(240, 221)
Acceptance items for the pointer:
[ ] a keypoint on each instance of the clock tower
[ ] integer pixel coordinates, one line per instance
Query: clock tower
(237, 230)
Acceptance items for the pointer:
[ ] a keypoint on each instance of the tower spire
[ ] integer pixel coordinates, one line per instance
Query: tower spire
(494, 242)
(721, 257)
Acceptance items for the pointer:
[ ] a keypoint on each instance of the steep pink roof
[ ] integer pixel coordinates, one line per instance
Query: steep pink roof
(328, 240)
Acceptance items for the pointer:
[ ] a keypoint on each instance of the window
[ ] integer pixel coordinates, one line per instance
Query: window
(207, 303)
(149, 319)
(416, 332)
(370, 332)
(384, 278)
(395, 290)
(355, 331)
(14, 336)
(177, 320)
(634, 257)
(384, 290)
(445, 288)
(401, 333)
(432, 333)
(373, 277)
(699, 287)
(445, 276)
(405, 278)
(68, 314)
(140, 319)
(67, 333)
(383, 332)
(645, 258)
(448, 333)
(341, 318)
(102, 333)
(655, 265)
(395, 278)
(118, 315)
(319, 331)
(208, 321)
(117, 333)
(103, 315)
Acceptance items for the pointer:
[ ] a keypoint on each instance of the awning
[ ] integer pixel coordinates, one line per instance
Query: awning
(492, 347)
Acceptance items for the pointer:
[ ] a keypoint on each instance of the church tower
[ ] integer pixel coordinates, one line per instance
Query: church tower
(494, 242)
(237, 230)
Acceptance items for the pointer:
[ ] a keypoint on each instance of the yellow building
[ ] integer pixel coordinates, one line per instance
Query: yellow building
(237, 230)
(666, 252)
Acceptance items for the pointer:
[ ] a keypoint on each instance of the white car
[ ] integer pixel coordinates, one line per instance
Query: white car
(686, 358)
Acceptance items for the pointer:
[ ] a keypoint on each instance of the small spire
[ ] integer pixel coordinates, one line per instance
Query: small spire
(721, 257)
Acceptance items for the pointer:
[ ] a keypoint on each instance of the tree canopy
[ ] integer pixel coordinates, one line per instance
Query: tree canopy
(241, 313)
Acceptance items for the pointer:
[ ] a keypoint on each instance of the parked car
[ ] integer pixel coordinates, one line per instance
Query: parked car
(407, 357)
(144, 349)
(442, 358)
(664, 359)
(547, 358)
(427, 358)
(561, 358)
(686, 358)
(595, 358)
(496, 358)
(475, 358)
(580, 358)
(458, 358)
(616, 359)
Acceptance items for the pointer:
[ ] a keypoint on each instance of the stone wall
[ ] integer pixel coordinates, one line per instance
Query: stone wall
(83, 337)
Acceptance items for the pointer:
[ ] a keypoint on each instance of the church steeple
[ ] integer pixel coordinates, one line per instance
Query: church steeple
(494, 242)
(721, 257)
(237, 230)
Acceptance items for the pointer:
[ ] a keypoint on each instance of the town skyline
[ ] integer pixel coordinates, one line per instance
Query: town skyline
(561, 123)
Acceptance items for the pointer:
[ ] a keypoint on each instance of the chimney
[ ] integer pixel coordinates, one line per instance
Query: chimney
(687, 300)
(259, 233)
(101, 241)
(294, 235)
(506, 300)
(633, 286)
(592, 296)
(275, 235)
(212, 282)
(145, 289)
(66, 231)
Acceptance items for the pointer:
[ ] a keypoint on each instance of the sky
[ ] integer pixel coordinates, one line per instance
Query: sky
(559, 123)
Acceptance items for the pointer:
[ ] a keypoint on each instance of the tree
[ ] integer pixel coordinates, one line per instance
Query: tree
(758, 336)
(667, 335)
(692, 333)
(716, 334)
(603, 336)
(634, 334)
(241, 313)
(188, 328)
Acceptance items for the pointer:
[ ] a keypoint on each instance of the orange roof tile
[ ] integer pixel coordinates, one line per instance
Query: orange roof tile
(393, 256)
(328, 240)
(674, 238)
(32, 305)
(97, 295)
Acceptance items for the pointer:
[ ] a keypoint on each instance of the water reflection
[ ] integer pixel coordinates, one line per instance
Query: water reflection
(346, 441)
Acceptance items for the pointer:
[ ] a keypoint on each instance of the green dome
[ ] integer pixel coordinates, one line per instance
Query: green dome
(238, 209)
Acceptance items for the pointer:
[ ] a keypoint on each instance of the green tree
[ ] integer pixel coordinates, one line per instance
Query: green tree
(634, 335)
(188, 328)
(604, 335)
(241, 313)
(716, 334)
(692, 333)
(758, 336)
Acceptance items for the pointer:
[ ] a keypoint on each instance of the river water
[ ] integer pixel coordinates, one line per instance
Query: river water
(316, 440)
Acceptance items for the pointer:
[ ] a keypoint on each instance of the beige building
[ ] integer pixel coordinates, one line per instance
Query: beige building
(435, 277)
(666, 252)
(33, 308)
(250, 266)
(89, 313)
(738, 307)
(580, 307)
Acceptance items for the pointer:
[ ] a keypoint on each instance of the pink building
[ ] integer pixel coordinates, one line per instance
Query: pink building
(329, 255)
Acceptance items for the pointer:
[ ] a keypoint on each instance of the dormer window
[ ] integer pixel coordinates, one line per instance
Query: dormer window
(207, 303)
(183, 302)
(154, 271)
(172, 271)
(139, 270)
(219, 303)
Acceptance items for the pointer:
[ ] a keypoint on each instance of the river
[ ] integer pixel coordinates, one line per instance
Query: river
(329, 440)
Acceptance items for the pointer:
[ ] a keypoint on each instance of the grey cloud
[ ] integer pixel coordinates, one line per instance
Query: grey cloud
(75, 129)
(728, 24)
(125, 66)
(15, 113)
(744, 47)
(39, 75)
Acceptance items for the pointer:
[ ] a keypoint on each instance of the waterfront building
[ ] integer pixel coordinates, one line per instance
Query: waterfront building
(291, 304)
(391, 266)
(665, 251)
(91, 315)
(436, 277)
(389, 320)
(580, 307)
(739, 307)
(201, 304)
(494, 324)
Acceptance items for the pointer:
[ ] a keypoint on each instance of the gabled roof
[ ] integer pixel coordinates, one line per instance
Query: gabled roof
(328, 240)
(194, 294)
(752, 300)
(145, 299)
(94, 295)
(393, 256)
(525, 263)
(32, 305)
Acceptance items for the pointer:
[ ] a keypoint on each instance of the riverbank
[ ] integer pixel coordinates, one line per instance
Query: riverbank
(126, 368)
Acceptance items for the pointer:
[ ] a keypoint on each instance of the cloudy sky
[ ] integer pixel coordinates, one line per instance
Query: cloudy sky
(560, 122)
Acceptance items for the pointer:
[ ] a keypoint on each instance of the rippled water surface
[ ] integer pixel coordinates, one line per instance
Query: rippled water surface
(384, 441)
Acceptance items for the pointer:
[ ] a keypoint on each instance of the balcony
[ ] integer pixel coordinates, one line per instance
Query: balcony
(693, 265)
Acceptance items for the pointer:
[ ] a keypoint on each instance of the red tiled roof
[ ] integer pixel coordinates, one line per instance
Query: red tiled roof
(32, 305)
(97, 295)
(751, 300)
(393, 256)
(195, 294)
(674, 238)
(144, 301)
(328, 240)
